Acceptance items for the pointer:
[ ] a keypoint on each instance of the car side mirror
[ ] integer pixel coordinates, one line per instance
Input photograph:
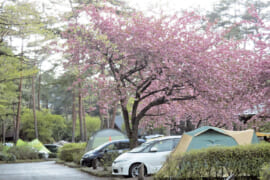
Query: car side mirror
(153, 149)
(120, 151)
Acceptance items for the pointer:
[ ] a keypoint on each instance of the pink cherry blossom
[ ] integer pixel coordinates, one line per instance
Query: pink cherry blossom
(169, 67)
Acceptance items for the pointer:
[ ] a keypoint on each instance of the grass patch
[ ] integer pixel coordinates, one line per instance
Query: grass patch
(100, 172)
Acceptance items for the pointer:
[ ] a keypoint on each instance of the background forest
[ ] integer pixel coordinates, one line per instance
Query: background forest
(44, 95)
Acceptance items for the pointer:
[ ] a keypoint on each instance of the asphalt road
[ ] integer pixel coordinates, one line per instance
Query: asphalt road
(42, 171)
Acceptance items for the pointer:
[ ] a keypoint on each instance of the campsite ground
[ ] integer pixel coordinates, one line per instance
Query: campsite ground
(51, 170)
(42, 171)
(101, 173)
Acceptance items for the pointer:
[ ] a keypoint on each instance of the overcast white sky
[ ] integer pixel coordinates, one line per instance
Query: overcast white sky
(144, 5)
(60, 6)
(172, 5)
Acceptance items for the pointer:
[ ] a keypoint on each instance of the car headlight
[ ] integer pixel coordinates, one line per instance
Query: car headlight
(87, 155)
(119, 161)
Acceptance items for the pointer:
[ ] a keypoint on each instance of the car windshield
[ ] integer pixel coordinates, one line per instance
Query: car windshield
(141, 147)
(101, 146)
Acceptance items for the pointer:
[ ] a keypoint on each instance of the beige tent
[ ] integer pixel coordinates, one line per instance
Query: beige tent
(208, 136)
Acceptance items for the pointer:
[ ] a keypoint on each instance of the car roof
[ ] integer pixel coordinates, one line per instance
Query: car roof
(52, 145)
(153, 136)
(163, 138)
(120, 140)
(123, 140)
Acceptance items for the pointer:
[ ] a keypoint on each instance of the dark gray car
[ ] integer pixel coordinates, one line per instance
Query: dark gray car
(115, 147)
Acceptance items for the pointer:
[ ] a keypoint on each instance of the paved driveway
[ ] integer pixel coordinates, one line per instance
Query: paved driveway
(42, 171)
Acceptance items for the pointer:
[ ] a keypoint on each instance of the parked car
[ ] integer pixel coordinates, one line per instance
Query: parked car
(153, 136)
(152, 154)
(8, 144)
(116, 146)
(52, 147)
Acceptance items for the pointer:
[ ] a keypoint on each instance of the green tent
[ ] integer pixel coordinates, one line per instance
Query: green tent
(102, 136)
(39, 146)
(20, 142)
(208, 136)
(36, 144)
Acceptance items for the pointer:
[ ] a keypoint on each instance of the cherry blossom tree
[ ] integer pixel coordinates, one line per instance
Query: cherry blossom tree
(261, 68)
(166, 66)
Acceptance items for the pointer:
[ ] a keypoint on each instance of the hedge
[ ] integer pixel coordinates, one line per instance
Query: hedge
(23, 152)
(217, 162)
(71, 152)
(265, 172)
(7, 157)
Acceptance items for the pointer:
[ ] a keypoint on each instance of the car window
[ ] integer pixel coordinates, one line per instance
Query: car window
(175, 142)
(165, 145)
(52, 148)
(111, 147)
(143, 147)
(123, 145)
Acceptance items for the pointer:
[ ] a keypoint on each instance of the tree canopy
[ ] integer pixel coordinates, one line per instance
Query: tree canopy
(158, 70)
(169, 65)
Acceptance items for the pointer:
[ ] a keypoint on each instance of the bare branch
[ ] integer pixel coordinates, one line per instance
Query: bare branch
(152, 93)
(160, 101)
(155, 115)
(183, 98)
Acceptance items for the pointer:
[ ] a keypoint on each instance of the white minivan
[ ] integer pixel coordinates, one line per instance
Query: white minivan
(152, 154)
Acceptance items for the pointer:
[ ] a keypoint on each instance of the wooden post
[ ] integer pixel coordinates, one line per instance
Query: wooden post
(141, 172)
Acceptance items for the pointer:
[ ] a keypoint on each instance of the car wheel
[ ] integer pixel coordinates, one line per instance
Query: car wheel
(98, 163)
(134, 170)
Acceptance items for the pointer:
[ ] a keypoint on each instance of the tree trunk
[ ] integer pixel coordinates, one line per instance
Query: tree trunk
(112, 116)
(18, 116)
(14, 121)
(47, 104)
(102, 121)
(66, 112)
(81, 113)
(3, 131)
(84, 124)
(38, 96)
(34, 106)
(199, 123)
(29, 102)
(131, 129)
(133, 137)
(74, 116)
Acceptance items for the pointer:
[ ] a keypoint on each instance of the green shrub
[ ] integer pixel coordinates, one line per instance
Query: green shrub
(50, 126)
(7, 157)
(2, 156)
(1, 147)
(92, 124)
(108, 159)
(23, 152)
(52, 155)
(217, 162)
(265, 172)
(77, 156)
(67, 152)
